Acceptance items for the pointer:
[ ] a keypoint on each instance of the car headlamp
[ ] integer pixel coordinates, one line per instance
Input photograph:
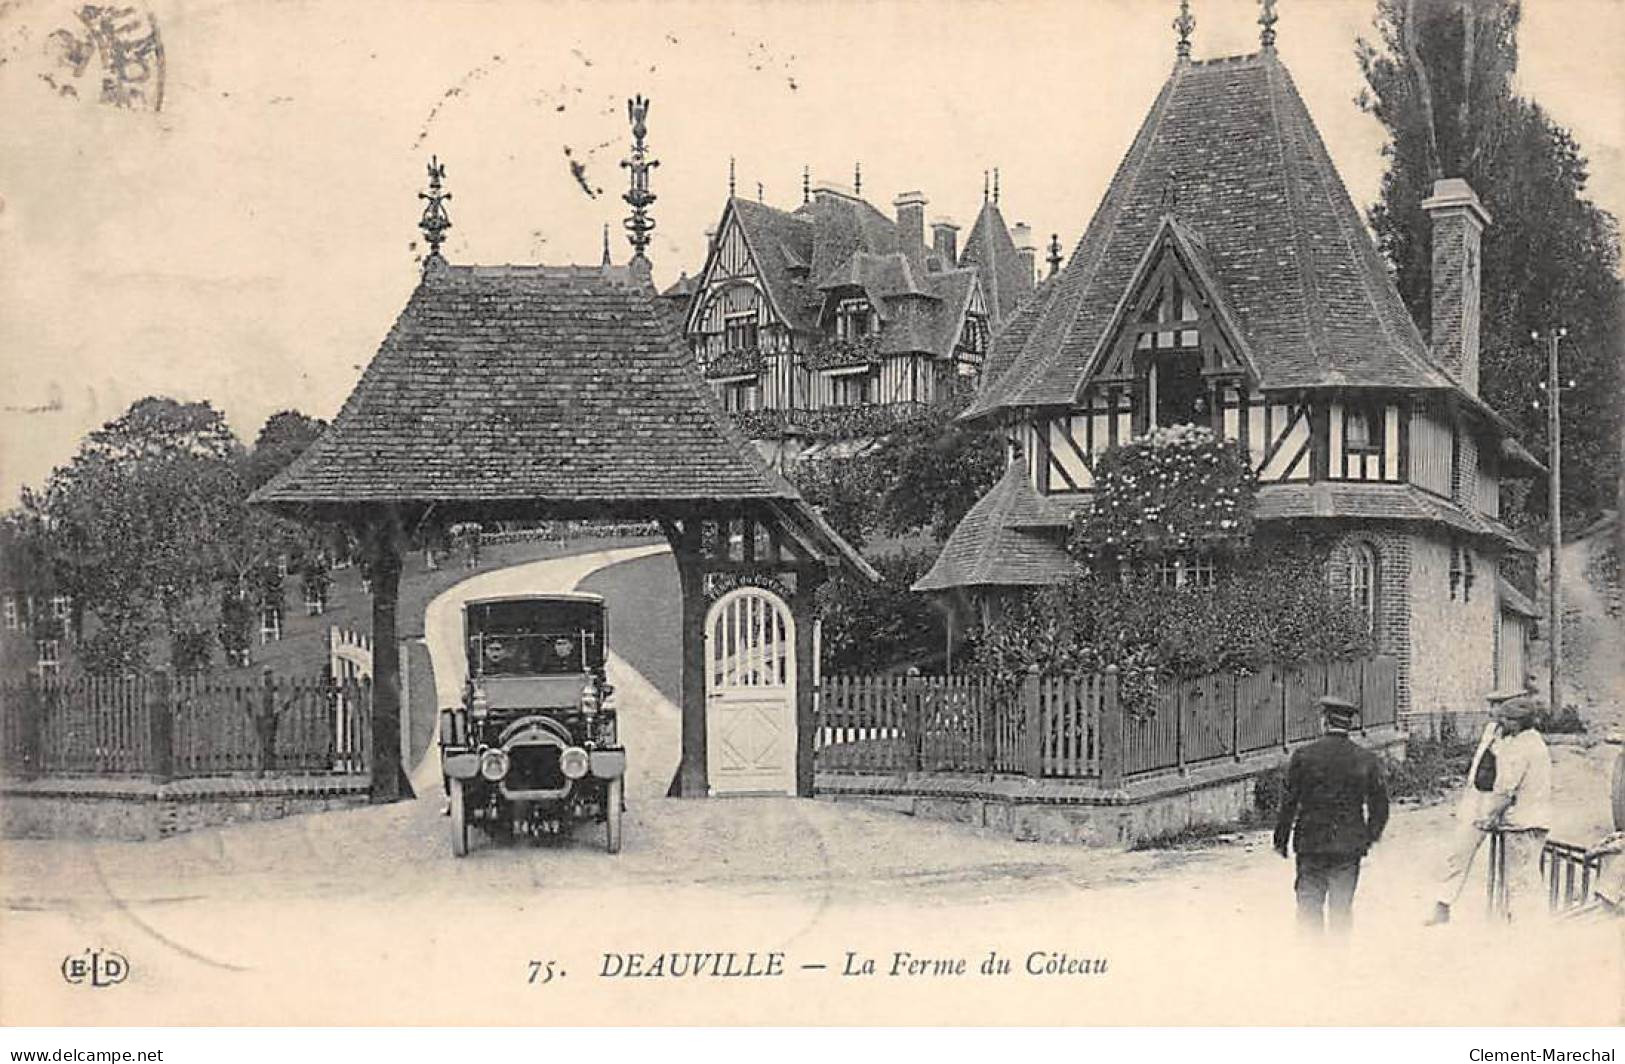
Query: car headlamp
(574, 762)
(494, 764)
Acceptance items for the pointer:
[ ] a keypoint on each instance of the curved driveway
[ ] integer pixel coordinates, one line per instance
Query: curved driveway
(646, 716)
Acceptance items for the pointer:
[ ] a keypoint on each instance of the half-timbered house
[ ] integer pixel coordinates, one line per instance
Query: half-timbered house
(1226, 280)
(834, 319)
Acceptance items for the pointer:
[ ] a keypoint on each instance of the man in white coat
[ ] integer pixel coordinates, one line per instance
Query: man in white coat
(1468, 836)
(1520, 807)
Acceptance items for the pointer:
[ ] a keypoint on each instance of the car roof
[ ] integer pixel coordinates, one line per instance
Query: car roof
(556, 596)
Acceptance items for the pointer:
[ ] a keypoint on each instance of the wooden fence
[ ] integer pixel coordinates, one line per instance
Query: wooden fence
(1077, 727)
(179, 728)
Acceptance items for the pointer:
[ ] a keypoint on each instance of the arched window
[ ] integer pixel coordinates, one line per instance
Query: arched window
(1363, 583)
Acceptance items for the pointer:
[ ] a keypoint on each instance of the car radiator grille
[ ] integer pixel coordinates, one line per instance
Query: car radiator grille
(535, 768)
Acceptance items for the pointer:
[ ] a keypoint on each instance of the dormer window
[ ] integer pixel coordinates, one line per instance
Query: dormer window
(854, 319)
(1171, 357)
(973, 337)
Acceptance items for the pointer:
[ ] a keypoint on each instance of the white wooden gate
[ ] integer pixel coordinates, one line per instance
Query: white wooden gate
(750, 694)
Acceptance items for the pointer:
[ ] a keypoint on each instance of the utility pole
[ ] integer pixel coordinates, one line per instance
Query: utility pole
(1554, 487)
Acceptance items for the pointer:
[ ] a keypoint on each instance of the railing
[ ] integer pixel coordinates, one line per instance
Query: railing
(180, 728)
(1077, 727)
(1568, 870)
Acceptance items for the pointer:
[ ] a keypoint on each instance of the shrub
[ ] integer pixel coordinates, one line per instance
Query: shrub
(869, 627)
(1170, 491)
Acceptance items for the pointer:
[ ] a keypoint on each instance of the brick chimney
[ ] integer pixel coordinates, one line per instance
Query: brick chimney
(945, 242)
(911, 226)
(1458, 226)
(1026, 251)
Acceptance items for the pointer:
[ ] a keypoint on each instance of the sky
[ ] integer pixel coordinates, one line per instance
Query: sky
(251, 242)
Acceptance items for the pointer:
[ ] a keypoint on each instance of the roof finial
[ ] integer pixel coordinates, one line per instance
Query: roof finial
(1267, 18)
(1054, 254)
(1183, 26)
(730, 177)
(806, 184)
(759, 192)
(606, 263)
(995, 186)
(984, 186)
(638, 196)
(857, 179)
(435, 221)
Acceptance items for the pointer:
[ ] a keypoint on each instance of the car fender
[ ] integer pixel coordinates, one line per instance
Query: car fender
(464, 765)
(607, 764)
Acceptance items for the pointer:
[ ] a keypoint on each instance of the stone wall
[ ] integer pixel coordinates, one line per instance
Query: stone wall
(1073, 811)
(136, 809)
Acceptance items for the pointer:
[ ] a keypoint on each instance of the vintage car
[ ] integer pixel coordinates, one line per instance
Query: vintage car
(533, 748)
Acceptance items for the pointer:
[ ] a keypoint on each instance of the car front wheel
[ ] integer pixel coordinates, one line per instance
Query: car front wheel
(612, 814)
(459, 820)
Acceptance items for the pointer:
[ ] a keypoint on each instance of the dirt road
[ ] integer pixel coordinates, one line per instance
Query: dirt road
(364, 916)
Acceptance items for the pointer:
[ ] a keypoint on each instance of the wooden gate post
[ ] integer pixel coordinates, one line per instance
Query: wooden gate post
(804, 612)
(388, 776)
(160, 727)
(1031, 724)
(1110, 746)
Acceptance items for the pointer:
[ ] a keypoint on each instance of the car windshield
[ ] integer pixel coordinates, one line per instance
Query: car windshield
(531, 638)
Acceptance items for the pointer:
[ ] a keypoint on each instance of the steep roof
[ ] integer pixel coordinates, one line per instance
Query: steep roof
(1006, 279)
(1229, 149)
(988, 550)
(781, 243)
(535, 384)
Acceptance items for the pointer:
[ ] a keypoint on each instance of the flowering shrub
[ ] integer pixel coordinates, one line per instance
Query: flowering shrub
(1172, 490)
(1271, 604)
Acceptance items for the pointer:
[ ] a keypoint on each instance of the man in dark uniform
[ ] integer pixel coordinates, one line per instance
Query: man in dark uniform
(1334, 808)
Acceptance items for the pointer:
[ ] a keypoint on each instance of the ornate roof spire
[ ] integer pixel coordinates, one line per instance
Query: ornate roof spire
(730, 177)
(857, 179)
(1054, 254)
(1267, 18)
(985, 175)
(1183, 25)
(435, 221)
(995, 186)
(638, 196)
(806, 184)
(606, 263)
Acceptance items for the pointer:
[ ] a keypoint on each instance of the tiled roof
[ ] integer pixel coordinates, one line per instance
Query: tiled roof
(1006, 279)
(1395, 502)
(1016, 520)
(782, 245)
(1011, 335)
(1230, 150)
(985, 550)
(533, 384)
(1512, 599)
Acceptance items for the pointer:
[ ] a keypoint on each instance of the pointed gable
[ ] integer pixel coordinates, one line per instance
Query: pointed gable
(1230, 148)
(991, 252)
(1173, 299)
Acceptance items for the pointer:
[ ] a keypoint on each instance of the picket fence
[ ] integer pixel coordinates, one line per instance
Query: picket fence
(167, 728)
(1078, 727)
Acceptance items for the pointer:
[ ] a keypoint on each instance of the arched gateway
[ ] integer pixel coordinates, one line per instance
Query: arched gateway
(554, 393)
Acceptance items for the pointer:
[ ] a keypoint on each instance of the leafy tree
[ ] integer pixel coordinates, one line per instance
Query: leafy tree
(136, 520)
(1439, 78)
(282, 438)
(935, 469)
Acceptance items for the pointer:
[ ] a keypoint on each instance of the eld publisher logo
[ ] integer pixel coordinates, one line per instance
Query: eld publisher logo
(95, 967)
